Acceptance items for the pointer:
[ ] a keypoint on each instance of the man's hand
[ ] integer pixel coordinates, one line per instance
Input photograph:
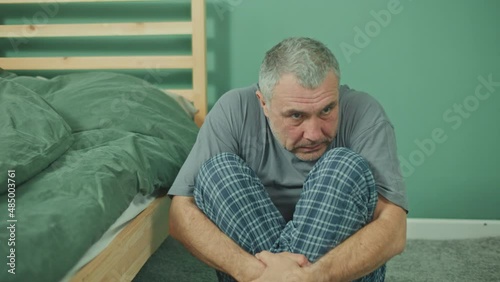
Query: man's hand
(286, 267)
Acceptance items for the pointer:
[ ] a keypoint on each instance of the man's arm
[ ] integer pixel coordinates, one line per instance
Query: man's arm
(356, 257)
(204, 240)
(367, 249)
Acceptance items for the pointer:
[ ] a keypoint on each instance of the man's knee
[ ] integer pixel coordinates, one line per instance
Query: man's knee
(338, 157)
(211, 178)
(213, 169)
(221, 174)
(221, 160)
(345, 169)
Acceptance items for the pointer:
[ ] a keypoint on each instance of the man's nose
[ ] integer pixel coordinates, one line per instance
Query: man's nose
(313, 130)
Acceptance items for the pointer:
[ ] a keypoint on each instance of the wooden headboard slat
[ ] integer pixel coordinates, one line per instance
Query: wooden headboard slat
(65, 1)
(97, 63)
(98, 29)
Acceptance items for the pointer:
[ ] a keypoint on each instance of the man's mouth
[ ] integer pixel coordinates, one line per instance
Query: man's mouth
(312, 148)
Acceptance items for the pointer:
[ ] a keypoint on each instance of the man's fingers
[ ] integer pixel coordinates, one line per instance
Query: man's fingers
(264, 256)
(298, 258)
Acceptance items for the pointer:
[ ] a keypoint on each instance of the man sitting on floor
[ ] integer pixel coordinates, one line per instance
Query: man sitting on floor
(295, 178)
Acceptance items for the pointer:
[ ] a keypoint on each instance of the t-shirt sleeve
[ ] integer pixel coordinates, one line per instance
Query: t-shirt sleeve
(377, 144)
(369, 132)
(217, 134)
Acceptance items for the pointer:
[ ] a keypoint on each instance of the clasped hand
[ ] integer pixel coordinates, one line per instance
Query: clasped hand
(285, 266)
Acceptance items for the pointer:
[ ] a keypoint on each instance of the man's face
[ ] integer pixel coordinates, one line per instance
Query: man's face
(303, 120)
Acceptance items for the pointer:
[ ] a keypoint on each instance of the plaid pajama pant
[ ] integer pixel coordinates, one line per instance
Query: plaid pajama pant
(338, 199)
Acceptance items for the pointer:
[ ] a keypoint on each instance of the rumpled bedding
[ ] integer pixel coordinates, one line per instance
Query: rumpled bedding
(82, 146)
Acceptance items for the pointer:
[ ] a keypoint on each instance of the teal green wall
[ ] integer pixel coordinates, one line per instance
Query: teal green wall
(419, 64)
(422, 65)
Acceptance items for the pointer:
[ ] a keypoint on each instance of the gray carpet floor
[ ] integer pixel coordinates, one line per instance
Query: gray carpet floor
(471, 260)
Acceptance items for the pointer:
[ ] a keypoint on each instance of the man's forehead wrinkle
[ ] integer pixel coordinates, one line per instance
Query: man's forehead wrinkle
(299, 102)
(305, 109)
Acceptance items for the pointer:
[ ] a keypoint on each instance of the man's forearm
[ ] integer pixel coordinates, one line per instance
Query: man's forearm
(365, 251)
(205, 241)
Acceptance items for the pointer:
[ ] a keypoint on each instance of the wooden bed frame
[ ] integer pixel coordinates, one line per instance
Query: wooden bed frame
(128, 252)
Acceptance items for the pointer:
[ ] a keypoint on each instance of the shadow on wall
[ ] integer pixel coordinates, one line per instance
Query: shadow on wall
(218, 50)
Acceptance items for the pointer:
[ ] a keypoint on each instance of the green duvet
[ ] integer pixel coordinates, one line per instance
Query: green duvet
(74, 151)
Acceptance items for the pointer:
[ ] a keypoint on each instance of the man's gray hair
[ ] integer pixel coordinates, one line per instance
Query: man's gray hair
(307, 59)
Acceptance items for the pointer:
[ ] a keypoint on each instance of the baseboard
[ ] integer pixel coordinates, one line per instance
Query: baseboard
(448, 229)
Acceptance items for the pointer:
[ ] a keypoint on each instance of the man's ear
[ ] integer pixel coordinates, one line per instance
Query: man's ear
(262, 101)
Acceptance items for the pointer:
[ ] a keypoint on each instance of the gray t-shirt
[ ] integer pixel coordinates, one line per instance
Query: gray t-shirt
(238, 125)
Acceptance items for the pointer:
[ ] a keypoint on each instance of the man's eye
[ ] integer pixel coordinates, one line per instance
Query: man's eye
(296, 116)
(327, 110)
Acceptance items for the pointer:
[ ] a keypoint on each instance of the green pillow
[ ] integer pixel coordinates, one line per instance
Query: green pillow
(99, 100)
(32, 134)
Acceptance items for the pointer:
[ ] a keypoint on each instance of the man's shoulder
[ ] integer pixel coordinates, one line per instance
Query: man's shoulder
(353, 101)
(236, 106)
(352, 96)
(239, 96)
